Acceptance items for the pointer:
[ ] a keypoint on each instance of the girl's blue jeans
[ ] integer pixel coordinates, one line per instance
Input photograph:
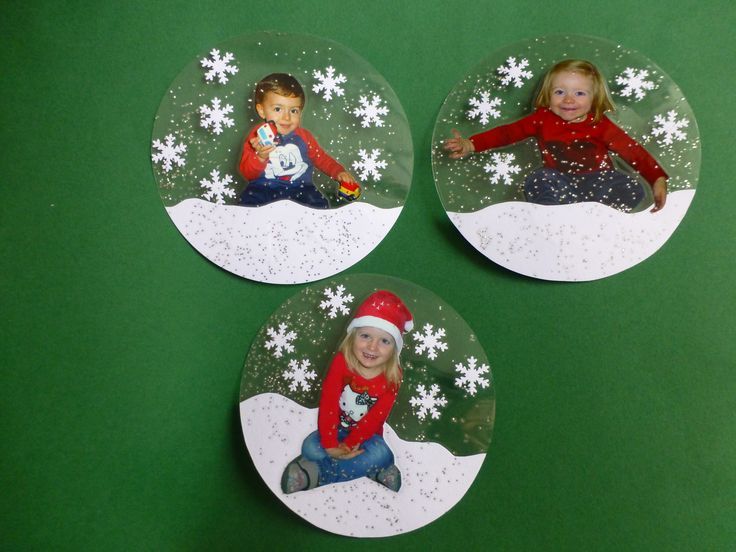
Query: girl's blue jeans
(552, 187)
(375, 457)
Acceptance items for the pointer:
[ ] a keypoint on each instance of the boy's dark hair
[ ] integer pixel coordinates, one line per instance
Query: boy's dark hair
(280, 83)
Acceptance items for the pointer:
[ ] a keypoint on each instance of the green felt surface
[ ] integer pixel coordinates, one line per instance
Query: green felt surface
(121, 347)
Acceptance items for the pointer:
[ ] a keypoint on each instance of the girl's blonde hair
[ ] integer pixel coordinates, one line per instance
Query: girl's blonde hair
(602, 101)
(391, 368)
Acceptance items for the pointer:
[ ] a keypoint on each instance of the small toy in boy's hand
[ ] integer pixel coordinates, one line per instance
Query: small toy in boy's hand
(268, 134)
(348, 190)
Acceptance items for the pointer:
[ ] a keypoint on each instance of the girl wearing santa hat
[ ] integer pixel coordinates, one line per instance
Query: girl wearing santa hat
(357, 395)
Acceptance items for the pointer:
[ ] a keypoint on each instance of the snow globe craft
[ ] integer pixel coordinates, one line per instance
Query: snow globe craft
(540, 175)
(367, 405)
(282, 158)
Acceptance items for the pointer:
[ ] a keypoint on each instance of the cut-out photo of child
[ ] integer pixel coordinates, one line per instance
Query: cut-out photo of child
(357, 396)
(283, 168)
(574, 138)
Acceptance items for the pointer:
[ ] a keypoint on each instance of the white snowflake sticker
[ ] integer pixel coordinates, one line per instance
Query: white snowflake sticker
(635, 83)
(218, 66)
(428, 402)
(217, 188)
(169, 153)
(484, 107)
(668, 129)
(514, 72)
(369, 164)
(329, 83)
(280, 340)
(501, 168)
(430, 341)
(299, 374)
(215, 117)
(336, 301)
(472, 376)
(371, 111)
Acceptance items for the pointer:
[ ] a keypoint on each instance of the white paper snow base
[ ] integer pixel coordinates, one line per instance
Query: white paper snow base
(483, 193)
(352, 112)
(274, 428)
(282, 242)
(438, 430)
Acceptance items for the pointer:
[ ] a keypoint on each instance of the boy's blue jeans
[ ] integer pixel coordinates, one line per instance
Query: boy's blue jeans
(261, 193)
(552, 187)
(376, 456)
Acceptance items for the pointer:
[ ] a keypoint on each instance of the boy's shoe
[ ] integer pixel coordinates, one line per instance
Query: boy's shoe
(299, 475)
(390, 477)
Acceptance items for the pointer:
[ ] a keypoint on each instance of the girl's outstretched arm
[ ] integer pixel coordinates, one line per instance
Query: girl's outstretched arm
(659, 189)
(458, 146)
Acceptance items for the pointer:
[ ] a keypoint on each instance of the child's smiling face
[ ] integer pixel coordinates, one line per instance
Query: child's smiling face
(571, 97)
(285, 111)
(373, 348)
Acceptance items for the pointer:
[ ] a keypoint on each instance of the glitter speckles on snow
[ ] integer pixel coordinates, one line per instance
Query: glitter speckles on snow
(283, 242)
(578, 242)
(433, 480)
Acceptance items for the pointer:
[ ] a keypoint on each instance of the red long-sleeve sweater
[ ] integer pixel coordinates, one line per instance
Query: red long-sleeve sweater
(352, 402)
(573, 147)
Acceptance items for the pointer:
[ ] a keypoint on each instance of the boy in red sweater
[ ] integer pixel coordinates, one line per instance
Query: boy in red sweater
(283, 170)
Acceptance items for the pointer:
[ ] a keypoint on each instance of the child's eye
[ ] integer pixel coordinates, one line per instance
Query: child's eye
(385, 341)
(581, 93)
(558, 92)
(295, 111)
(277, 109)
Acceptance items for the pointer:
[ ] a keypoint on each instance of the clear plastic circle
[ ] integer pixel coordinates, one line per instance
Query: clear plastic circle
(438, 430)
(483, 193)
(352, 113)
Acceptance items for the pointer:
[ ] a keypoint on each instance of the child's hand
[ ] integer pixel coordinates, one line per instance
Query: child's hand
(343, 452)
(349, 189)
(261, 151)
(458, 146)
(345, 176)
(659, 189)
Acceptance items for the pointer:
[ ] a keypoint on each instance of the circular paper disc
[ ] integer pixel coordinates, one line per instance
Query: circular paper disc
(438, 430)
(483, 193)
(351, 113)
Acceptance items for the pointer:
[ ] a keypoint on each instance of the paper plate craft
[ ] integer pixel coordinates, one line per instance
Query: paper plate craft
(566, 157)
(367, 405)
(282, 158)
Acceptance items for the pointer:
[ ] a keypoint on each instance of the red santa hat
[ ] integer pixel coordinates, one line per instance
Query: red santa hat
(385, 311)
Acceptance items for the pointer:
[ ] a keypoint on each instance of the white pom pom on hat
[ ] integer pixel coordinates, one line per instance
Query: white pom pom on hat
(385, 311)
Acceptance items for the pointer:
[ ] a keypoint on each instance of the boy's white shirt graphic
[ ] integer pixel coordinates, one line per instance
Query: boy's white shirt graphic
(286, 161)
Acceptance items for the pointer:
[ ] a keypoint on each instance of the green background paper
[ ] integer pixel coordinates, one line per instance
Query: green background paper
(121, 347)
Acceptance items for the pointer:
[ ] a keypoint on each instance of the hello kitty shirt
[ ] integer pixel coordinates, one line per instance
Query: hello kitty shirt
(351, 402)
